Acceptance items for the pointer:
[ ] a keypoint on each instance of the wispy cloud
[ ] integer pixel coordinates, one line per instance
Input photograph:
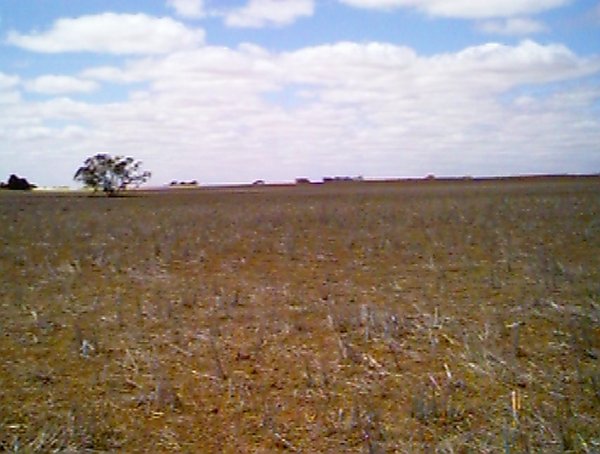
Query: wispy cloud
(464, 8)
(261, 13)
(512, 27)
(57, 85)
(9, 93)
(8, 81)
(188, 8)
(110, 33)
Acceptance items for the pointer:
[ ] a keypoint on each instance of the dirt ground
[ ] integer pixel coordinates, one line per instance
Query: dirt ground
(346, 317)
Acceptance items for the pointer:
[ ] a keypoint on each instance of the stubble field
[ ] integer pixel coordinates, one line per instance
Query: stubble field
(409, 317)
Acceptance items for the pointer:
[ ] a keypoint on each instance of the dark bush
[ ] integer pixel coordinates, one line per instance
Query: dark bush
(16, 183)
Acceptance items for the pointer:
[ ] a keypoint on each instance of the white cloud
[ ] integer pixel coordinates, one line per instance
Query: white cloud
(9, 93)
(10, 97)
(8, 81)
(260, 13)
(468, 9)
(512, 27)
(57, 85)
(232, 115)
(188, 8)
(108, 74)
(504, 66)
(111, 33)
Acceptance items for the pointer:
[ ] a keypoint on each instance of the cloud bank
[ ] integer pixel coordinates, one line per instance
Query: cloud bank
(221, 114)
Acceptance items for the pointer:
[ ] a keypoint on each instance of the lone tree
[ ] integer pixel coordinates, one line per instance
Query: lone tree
(112, 174)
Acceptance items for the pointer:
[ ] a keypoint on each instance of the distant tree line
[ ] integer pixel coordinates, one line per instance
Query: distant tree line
(342, 179)
(183, 183)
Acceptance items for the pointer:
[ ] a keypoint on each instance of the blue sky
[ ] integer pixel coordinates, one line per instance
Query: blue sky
(238, 90)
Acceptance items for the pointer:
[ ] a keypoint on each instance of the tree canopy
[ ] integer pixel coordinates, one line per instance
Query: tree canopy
(111, 173)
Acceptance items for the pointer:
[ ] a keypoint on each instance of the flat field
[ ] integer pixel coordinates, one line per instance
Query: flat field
(400, 317)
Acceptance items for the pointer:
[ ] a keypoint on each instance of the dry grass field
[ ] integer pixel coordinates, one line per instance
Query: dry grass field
(402, 317)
